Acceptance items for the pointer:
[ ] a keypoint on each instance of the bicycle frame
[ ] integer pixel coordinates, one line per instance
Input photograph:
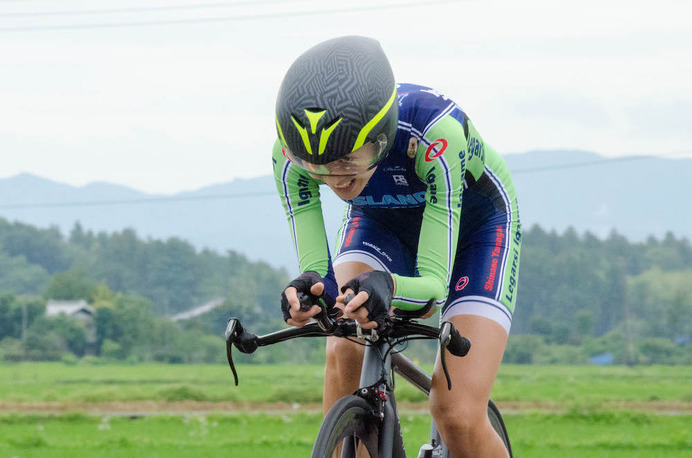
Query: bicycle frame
(376, 371)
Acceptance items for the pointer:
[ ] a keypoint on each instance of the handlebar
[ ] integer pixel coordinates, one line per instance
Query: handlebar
(329, 324)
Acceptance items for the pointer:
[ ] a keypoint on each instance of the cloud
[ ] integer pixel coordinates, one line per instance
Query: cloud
(663, 119)
(582, 112)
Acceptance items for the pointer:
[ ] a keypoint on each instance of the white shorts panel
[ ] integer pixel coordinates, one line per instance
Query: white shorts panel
(481, 306)
(360, 256)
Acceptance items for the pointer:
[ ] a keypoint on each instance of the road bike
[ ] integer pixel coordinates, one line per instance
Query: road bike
(366, 423)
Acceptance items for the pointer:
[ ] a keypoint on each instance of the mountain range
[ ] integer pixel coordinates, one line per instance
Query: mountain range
(636, 196)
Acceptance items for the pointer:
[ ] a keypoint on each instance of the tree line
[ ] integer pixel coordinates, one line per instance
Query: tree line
(578, 296)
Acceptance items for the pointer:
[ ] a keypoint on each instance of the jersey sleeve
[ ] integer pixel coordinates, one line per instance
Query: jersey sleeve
(441, 162)
(300, 197)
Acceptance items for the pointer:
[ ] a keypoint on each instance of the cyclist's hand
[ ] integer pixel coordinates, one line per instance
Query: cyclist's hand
(373, 297)
(299, 318)
(354, 311)
(310, 284)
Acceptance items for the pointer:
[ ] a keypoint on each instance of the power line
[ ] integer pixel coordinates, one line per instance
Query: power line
(227, 18)
(98, 203)
(144, 9)
(594, 162)
(578, 164)
(273, 193)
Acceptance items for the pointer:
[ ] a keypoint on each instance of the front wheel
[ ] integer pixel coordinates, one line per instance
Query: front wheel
(498, 424)
(349, 426)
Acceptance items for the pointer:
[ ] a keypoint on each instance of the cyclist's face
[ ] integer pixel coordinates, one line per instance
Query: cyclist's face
(349, 186)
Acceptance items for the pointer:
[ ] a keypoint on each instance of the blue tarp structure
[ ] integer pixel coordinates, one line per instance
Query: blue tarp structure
(604, 359)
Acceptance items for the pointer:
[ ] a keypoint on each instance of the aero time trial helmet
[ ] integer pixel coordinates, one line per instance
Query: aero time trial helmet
(336, 112)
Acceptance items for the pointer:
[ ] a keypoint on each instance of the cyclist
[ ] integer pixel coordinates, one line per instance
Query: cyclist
(431, 213)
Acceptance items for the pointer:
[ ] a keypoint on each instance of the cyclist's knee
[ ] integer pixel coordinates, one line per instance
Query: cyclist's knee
(459, 419)
(343, 354)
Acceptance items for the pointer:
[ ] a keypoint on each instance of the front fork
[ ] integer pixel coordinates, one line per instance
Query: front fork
(377, 387)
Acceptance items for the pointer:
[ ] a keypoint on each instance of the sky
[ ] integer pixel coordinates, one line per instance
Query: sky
(172, 95)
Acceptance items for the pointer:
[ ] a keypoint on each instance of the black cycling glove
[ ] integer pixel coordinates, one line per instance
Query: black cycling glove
(302, 284)
(380, 288)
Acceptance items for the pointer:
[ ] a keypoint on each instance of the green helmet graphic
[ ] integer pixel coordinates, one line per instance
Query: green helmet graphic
(338, 97)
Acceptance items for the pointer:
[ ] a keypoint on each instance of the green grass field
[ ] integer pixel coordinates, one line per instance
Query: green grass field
(555, 411)
(569, 385)
(571, 434)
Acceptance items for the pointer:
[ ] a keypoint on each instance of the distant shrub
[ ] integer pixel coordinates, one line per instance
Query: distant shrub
(295, 393)
(111, 349)
(11, 350)
(522, 349)
(181, 393)
(92, 361)
(69, 359)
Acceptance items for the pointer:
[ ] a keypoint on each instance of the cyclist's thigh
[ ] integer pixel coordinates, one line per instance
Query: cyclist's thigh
(473, 375)
(461, 413)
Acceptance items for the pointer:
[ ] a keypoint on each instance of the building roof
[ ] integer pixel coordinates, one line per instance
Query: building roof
(197, 311)
(69, 308)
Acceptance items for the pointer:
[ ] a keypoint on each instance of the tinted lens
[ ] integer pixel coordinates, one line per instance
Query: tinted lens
(358, 161)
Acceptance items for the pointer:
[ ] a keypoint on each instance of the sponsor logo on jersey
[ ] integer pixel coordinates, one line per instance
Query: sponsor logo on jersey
(462, 167)
(435, 150)
(412, 147)
(499, 238)
(352, 230)
(461, 284)
(400, 180)
(304, 193)
(432, 187)
(436, 93)
(476, 149)
(512, 287)
(395, 168)
(388, 200)
(378, 249)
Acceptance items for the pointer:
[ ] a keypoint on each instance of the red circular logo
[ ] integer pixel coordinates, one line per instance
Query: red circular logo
(436, 149)
(461, 284)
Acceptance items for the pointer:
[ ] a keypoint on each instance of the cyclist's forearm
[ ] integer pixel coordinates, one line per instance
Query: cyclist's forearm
(300, 198)
(412, 293)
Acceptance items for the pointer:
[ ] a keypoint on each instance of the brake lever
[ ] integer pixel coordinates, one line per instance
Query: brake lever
(445, 338)
(230, 334)
(326, 317)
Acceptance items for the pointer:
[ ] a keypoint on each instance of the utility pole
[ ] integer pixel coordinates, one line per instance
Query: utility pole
(24, 320)
(629, 344)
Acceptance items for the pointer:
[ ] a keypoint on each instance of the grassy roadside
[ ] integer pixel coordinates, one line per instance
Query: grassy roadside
(97, 411)
(566, 385)
(572, 434)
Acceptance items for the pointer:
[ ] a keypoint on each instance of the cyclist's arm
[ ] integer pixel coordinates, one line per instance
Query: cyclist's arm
(300, 197)
(444, 176)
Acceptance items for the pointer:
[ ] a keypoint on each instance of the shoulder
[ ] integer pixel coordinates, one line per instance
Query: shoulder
(421, 107)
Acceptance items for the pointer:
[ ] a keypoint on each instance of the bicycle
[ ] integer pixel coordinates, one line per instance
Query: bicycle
(367, 420)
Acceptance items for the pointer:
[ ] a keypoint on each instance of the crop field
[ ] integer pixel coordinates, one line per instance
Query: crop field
(56, 410)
